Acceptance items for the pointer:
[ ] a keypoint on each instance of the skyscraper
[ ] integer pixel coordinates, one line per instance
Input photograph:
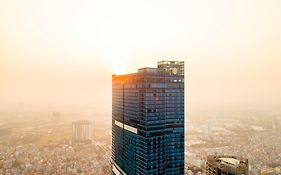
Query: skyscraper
(148, 121)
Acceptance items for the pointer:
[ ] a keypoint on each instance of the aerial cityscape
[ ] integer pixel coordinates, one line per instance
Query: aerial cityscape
(140, 87)
(45, 146)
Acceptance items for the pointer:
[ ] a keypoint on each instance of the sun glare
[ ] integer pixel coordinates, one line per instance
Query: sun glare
(118, 70)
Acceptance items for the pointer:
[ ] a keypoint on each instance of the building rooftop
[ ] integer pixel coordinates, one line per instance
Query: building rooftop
(169, 62)
(148, 69)
(166, 67)
(229, 163)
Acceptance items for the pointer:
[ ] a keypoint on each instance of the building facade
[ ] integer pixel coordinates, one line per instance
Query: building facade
(226, 165)
(81, 131)
(148, 121)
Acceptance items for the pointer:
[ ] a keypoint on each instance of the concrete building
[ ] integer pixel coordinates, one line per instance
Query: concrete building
(148, 121)
(226, 165)
(81, 131)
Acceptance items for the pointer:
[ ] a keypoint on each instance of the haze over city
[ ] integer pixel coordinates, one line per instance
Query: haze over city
(204, 96)
(64, 52)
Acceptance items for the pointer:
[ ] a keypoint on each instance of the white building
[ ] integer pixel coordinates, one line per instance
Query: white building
(81, 131)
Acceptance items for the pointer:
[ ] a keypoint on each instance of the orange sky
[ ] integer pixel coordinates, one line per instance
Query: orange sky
(64, 51)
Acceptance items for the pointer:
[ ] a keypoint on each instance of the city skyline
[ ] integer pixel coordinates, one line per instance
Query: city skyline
(185, 87)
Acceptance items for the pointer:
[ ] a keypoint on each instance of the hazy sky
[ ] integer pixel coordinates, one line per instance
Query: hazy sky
(64, 51)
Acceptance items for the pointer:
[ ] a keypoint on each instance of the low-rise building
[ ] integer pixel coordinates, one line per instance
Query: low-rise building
(226, 165)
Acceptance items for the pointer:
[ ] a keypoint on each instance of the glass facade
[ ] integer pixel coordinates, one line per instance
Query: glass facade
(148, 122)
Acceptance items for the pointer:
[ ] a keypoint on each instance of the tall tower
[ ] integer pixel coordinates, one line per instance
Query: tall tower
(148, 121)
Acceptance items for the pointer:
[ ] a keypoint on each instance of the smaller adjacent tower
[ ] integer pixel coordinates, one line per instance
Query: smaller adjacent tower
(171, 67)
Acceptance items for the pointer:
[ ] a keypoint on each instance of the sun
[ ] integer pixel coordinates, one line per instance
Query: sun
(118, 70)
(118, 65)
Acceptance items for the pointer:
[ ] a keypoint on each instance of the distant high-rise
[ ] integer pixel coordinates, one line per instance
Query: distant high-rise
(81, 131)
(223, 165)
(56, 116)
(148, 121)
